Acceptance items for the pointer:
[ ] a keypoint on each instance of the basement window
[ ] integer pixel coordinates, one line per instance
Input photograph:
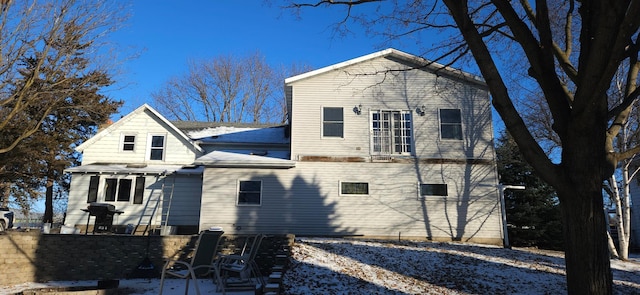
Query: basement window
(354, 188)
(433, 190)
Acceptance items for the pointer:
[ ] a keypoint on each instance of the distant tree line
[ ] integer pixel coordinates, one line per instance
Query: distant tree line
(56, 67)
(227, 88)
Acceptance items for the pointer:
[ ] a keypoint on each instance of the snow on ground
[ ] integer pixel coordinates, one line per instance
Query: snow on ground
(346, 266)
(340, 266)
(128, 287)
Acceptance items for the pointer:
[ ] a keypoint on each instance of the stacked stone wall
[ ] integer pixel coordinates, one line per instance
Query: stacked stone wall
(35, 257)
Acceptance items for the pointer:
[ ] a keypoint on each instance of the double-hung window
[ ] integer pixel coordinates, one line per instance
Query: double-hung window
(332, 122)
(249, 192)
(450, 124)
(157, 147)
(391, 132)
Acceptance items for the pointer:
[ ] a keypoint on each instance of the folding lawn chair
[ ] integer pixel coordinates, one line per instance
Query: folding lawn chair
(241, 265)
(201, 264)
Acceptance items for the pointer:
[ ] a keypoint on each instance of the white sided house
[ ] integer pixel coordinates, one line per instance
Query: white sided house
(384, 145)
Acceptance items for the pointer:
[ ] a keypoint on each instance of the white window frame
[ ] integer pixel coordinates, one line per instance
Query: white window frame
(323, 122)
(123, 142)
(102, 188)
(238, 193)
(450, 124)
(346, 194)
(389, 147)
(150, 147)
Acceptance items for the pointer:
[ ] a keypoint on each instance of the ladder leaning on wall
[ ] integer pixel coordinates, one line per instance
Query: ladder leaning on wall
(164, 217)
(148, 215)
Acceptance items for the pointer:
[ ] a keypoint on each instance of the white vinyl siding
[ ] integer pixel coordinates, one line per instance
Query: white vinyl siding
(352, 87)
(183, 208)
(306, 200)
(110, 144)
(181, 203)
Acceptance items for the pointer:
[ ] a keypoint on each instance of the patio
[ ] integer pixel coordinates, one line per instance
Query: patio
(129, 287)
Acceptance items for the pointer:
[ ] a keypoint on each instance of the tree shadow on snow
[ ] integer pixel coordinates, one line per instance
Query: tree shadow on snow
(474, 269)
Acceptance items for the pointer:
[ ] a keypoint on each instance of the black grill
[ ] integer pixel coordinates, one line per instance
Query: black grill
(103, 216)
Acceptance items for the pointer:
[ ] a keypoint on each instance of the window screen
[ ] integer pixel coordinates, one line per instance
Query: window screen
(332, 122)
(249, 192)
(157, 147)
(450, 124)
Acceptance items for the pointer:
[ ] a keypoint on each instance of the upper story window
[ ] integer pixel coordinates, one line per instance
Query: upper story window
(157, 147)
(332, 122)
(128, 142)
(391, 132)
(249, 192)
(450, 124)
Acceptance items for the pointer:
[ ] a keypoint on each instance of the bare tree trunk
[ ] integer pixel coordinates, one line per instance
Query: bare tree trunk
(5, 190)
(623, 214)
(48, 201)
(585, 236)
(620, 200)
(612, 246)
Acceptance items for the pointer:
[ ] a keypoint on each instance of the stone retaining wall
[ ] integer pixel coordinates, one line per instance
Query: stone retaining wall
(35, 257)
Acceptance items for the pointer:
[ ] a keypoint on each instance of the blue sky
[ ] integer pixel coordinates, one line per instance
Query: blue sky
(169, 33)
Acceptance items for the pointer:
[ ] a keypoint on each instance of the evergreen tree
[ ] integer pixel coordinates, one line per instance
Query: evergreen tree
(52, 81)
(533, 214)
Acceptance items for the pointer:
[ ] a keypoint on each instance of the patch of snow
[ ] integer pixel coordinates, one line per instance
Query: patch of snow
(130, 287)
(240, 134)
(344, 266)
(245, 158)
(353, 266)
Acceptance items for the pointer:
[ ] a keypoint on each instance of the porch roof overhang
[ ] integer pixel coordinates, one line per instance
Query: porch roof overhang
(244, 159)
(135, 169)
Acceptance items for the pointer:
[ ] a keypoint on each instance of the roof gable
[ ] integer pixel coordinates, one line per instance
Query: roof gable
(416, 62)
(137, 112)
